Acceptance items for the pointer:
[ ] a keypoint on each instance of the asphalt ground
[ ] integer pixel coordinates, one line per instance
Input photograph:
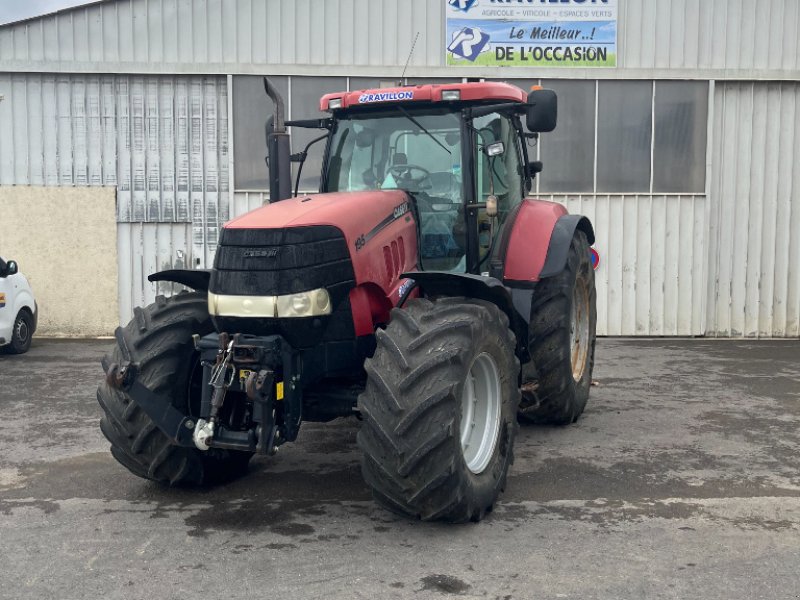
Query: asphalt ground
(680, 481)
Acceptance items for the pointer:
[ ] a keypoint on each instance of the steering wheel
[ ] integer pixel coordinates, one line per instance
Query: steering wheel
(403, 175)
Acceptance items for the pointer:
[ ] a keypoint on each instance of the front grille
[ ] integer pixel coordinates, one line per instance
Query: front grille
(275, 262)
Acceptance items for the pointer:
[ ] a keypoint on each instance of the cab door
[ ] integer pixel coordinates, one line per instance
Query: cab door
(499, 172)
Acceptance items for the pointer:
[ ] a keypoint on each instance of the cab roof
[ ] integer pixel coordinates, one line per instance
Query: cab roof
(469, 93)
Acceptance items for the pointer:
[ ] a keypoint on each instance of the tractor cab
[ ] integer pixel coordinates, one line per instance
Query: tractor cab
(459, 151)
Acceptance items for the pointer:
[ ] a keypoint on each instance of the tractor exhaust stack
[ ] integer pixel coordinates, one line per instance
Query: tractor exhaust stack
(278, 149)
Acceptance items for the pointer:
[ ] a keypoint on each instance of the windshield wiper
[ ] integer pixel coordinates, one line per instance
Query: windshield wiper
(418, 124)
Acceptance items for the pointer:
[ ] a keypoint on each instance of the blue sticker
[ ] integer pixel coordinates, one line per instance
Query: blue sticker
(405, 287)
(385, 97)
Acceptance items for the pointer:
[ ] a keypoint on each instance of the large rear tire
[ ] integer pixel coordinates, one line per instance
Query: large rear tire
(562, 340)
(159, 339)
(439, 410)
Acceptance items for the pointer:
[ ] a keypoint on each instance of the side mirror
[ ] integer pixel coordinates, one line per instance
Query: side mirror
(11, 268)
(542, 112)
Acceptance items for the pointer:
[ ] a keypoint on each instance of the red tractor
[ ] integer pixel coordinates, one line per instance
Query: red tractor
(420, 291)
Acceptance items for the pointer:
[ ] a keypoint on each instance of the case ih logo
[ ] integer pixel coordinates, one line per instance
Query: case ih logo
(261, 253)
(468, 43)
(463, 5)
(399, 211)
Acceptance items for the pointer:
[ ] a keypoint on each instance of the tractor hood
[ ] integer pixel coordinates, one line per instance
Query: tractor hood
(358, 215)
(333, 242)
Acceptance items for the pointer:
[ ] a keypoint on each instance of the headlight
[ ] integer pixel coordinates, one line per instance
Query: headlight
(305, 304)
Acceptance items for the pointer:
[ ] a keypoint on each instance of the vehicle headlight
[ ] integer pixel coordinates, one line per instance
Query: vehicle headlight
(305, 304)
(314, 303)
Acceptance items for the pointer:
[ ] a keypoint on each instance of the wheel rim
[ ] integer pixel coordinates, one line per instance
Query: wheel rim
(579, 329)
(22, 331)
(480, 413)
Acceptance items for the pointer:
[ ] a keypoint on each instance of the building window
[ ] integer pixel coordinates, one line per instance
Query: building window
(568, 152)
(305, 95)
(679, 148)
(610, 133)
(251, 109)
(613, 137)
(624, 129)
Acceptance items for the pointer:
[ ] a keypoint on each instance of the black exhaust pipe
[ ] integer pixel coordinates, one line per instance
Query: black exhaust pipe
(278, 149)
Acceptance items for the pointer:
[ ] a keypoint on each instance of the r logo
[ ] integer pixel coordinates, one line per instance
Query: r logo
(468, 43)
(462, 5)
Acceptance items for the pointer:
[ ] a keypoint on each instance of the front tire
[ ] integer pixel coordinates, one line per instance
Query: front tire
(21, 334)
(439, 410)
(159, 338)
(562, 340)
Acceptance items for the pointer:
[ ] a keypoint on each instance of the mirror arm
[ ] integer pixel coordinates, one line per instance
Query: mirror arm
(301, 158)
(311, 123)
(482, 111)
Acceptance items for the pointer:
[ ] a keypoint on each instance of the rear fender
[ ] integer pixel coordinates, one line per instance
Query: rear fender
(444, 283)
(537, 243)
(561, 240)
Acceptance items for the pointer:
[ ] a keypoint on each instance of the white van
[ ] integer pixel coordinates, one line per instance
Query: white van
(18, 310)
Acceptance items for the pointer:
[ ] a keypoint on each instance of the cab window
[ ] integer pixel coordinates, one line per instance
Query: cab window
(499, 173)
(502, 174)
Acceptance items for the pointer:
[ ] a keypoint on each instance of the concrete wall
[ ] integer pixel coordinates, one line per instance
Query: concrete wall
(65, 241)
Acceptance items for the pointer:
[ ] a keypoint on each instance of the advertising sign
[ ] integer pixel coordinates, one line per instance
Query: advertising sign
(531, 33)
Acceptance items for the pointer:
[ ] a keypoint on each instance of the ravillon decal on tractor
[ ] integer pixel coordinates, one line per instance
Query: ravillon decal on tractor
(419, 290)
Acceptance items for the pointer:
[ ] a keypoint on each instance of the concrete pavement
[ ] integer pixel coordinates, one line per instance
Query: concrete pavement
(681, 480)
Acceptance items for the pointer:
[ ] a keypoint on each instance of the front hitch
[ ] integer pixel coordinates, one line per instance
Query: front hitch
(175, 425)
(233, 352)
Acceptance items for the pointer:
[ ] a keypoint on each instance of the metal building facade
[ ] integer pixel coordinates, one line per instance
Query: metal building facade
(708, 39)
(141, 91)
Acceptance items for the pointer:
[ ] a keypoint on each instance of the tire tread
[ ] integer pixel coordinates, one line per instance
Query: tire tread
(159, 340)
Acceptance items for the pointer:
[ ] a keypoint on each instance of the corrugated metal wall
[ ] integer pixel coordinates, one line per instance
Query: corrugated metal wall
(754, 242)
(651, 279)
(162, 142)
(247, 201)
(702, 38)
(700, 35)
(145, 248)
